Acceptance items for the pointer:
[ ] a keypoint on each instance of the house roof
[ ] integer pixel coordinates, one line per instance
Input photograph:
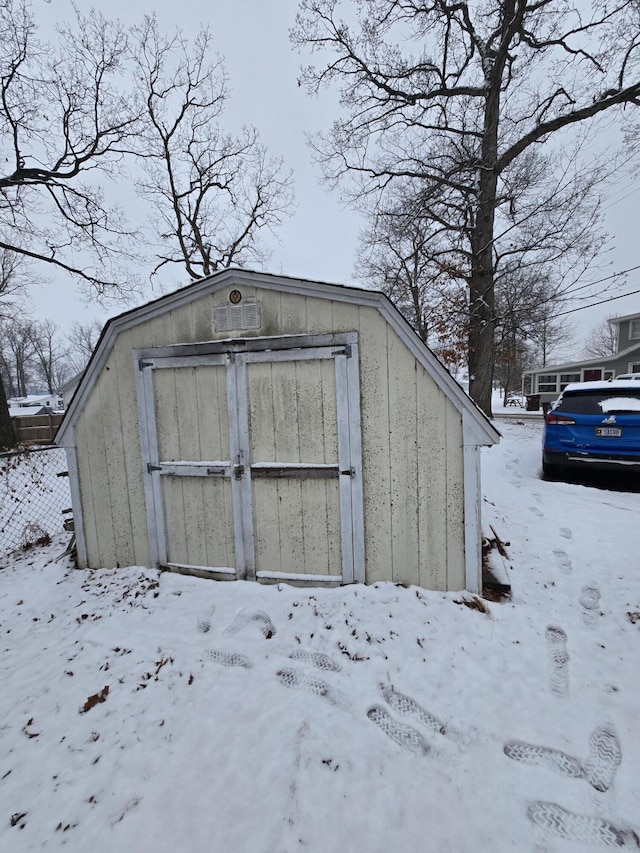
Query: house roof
(28, 411)
(33, 399)
(586, 362)
(478, 428)
(71, 383)
(617, 320)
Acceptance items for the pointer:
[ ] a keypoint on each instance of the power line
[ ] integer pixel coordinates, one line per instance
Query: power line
(622, 198)
(595, 304)
(600, 280)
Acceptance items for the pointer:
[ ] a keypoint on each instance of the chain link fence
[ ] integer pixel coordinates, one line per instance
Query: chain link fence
(34, 493)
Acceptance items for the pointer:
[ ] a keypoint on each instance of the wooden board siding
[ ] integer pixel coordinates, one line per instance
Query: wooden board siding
(411, 438)
(374, 395)
(126, 401)
(94, 480)
(192, 423)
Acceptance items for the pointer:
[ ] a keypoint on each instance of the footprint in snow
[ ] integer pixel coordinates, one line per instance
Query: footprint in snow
(565, 533)
(405, 736)
(290, 677)
(605, 755)
(563, 559)
(243, 618)
(590, 603)
(409, 707)
(543, 756)
(228, 659)
(204, 620)
(558, 659)
(576, 827)
(599, 769)
(317, 659)
(536, 511)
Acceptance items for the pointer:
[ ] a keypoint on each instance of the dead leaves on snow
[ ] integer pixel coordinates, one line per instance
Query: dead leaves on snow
(26, 729)
(96, 699)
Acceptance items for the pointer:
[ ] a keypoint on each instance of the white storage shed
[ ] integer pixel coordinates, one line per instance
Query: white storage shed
(268, 428)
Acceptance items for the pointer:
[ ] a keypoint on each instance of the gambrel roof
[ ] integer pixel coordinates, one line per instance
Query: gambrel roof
(478, 429)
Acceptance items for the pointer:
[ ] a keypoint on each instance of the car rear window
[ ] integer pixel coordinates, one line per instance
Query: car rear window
(601, 402)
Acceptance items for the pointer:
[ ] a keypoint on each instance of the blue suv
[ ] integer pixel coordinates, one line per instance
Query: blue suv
(595, 425)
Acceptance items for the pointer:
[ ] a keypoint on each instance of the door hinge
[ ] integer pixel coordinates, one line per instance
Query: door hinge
(151, 467)
(238, 471)
(350, 472)
(346, 351)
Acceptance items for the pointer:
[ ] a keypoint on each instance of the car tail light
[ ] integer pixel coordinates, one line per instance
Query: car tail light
(558, 420)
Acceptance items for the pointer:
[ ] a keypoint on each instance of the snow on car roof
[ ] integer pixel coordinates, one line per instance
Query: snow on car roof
(602, 385)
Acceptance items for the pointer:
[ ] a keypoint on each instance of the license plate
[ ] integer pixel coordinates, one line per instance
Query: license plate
(612, 432)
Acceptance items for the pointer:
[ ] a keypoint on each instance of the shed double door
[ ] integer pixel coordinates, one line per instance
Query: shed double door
(252, 458)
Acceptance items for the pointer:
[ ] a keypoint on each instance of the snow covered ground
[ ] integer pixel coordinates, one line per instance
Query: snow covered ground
(157, 714)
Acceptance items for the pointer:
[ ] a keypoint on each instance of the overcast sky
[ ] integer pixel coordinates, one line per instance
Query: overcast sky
(319, 241)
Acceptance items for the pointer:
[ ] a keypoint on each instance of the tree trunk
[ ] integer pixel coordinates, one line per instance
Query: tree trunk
(481, 339)
(482, 315)
(7, 433)
(482, 319)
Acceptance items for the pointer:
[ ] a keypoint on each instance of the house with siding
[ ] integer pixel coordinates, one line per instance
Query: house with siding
(550, 380)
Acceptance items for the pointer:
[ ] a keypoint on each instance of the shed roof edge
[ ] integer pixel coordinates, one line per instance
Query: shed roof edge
(485, 434)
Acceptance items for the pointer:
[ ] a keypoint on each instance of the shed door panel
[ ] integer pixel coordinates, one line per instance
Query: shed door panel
(293, 422)
(192, 413)
(292, 411)
(192, 425)
(199, 520)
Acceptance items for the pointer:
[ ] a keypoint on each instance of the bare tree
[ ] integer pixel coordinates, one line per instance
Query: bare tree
(49, 355)
(527, 329)
(401, 254)
(65, 125)
(394, 256)
(71, 117)
(18, 352)
(7, 432)
(82, 340)
(602, 339)
(13, 281)
(15, 275)
(554, 338)
(463, 116)
(213, 192)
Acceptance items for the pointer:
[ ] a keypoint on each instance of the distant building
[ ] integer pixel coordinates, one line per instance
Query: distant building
(26, 411)
(51, 402)
(550, 380)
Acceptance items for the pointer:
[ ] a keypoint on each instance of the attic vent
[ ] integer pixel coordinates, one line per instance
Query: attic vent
(231, 318)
